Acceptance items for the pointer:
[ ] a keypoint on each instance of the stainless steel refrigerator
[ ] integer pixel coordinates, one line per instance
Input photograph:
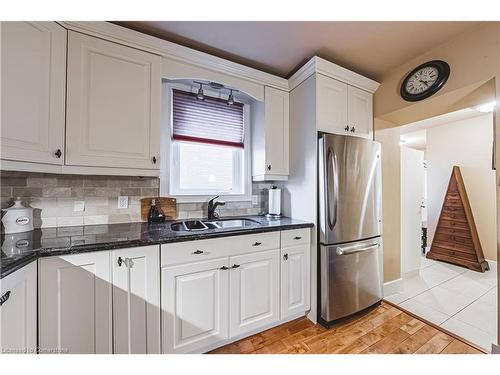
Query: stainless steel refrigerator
(350, 250)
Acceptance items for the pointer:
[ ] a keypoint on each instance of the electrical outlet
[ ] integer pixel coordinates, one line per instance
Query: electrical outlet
(255, 199)
(122, 201)
(79, 206)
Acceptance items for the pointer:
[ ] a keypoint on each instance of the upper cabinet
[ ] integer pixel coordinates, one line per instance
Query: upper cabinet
(270, 136)
(113, 105)
(33, 61)
(343, 109)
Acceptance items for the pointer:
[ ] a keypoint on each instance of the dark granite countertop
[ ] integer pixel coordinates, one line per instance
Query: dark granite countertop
(22, 248)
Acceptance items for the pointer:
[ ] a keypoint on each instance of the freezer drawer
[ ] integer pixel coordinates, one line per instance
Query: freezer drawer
(351, 278)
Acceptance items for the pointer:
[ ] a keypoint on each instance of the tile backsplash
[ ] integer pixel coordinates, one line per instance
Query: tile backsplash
(53, 196)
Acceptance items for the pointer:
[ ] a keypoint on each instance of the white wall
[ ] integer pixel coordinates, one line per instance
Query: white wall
(468, 144)
(412, 194)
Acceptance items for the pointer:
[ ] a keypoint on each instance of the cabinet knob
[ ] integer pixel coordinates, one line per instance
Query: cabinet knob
(154, 159)
(353, 129)
(285, 256)
(120, 261)
(5, 297)
(58, 153)
(198, 252)
(346, 128)
(269, 167)
(235, 266)
(129, 263)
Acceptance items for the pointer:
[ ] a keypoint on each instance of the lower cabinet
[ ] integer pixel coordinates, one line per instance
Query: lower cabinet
(18, 316)
(75, 304)
(100, 302)
(136, 300)
(194, 305)
(254, 282)
(295, 280)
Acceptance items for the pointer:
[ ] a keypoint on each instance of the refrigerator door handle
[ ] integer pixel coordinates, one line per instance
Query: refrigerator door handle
(332, 189)
(353, 250)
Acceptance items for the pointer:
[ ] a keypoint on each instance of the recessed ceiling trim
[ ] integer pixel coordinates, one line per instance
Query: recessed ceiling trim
(135, 39)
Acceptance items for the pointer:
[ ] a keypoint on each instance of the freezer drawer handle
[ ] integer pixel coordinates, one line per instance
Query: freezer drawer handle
(5, 297)
(353, 250)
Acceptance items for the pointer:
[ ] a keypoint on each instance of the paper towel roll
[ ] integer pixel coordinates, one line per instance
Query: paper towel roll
(275, 201)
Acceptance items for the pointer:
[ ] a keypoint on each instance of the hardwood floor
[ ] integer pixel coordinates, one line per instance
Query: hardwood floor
(384, 329)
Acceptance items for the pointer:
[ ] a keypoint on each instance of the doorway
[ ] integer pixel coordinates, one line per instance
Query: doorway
(458, 299)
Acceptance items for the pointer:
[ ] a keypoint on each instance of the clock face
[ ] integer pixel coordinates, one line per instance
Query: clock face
(425, 80)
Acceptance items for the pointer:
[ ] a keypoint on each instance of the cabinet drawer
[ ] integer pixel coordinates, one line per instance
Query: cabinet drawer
(295, 237)
(193, 251)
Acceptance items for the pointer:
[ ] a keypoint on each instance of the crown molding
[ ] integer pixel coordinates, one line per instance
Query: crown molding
(135, 39)
(329, 69)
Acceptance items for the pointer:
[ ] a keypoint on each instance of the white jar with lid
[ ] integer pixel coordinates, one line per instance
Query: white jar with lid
(17, 218)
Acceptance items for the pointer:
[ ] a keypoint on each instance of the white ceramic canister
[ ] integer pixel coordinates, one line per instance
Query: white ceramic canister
(17, 218)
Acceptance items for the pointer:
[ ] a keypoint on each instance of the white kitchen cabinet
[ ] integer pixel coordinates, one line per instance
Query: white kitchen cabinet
(295, 283)
(136, 300)
(360, 112)
(331, 96)
(254, 290)
(270, 136)
(33, 84)
(343, 109)
(113, 105)
(75, 303)
(194, 305)
(18, 315)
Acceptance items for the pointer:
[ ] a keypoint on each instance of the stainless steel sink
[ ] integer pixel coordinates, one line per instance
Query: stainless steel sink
(201, 225)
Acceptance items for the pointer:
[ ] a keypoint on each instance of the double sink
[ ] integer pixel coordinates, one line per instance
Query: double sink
(201, 225)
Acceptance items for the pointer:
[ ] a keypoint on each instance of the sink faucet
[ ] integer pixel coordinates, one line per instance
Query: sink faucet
(212, 205)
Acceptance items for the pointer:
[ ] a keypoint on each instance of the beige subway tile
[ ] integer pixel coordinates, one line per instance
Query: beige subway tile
(56, 192)
(14, 181)
(43, 182)
(95, 219)
(49, 222)
(69, 221)
(26, 192)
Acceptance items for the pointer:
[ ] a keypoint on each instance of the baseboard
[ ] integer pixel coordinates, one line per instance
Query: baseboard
(495, 349)
(393, 287)
(493, 264)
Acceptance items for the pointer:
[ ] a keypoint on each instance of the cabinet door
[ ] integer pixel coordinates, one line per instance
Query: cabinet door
(113, 111)
(360, 113)
(294, 280)
(33, 61)
(277, 131)
(136, 300)
(194, 305)
(331, 101)
(75, 303)
(18, 314)
(253, 291)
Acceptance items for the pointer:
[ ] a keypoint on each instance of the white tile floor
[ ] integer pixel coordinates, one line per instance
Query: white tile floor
(460, 300)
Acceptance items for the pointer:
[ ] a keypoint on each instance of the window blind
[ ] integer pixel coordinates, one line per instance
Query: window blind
(210, 120)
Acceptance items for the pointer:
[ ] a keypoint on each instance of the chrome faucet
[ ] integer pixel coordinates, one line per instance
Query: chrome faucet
(212, 205)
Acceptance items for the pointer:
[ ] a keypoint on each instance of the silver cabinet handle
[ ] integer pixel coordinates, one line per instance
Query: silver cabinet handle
(5, 297)
(235, 266)
(353, 250)
(285, 256)
(129, 263)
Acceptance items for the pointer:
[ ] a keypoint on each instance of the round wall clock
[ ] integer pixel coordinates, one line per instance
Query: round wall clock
(425, 80)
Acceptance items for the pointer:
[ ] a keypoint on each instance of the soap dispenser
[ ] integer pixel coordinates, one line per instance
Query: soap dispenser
(155, 214)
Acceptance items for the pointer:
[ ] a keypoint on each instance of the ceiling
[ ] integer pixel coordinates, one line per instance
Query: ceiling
(369, 48)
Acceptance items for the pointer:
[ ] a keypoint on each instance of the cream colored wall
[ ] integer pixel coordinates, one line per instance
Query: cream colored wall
(467, 144)
(473, 58)
(391, 212)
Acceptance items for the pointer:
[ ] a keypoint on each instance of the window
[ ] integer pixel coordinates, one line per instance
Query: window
(207, 147)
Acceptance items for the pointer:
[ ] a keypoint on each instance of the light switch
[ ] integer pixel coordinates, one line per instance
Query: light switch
(122, 201)
(79, 206)
(255, 200)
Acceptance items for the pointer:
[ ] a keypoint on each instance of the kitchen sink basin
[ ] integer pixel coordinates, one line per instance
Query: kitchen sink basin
(201, 225)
